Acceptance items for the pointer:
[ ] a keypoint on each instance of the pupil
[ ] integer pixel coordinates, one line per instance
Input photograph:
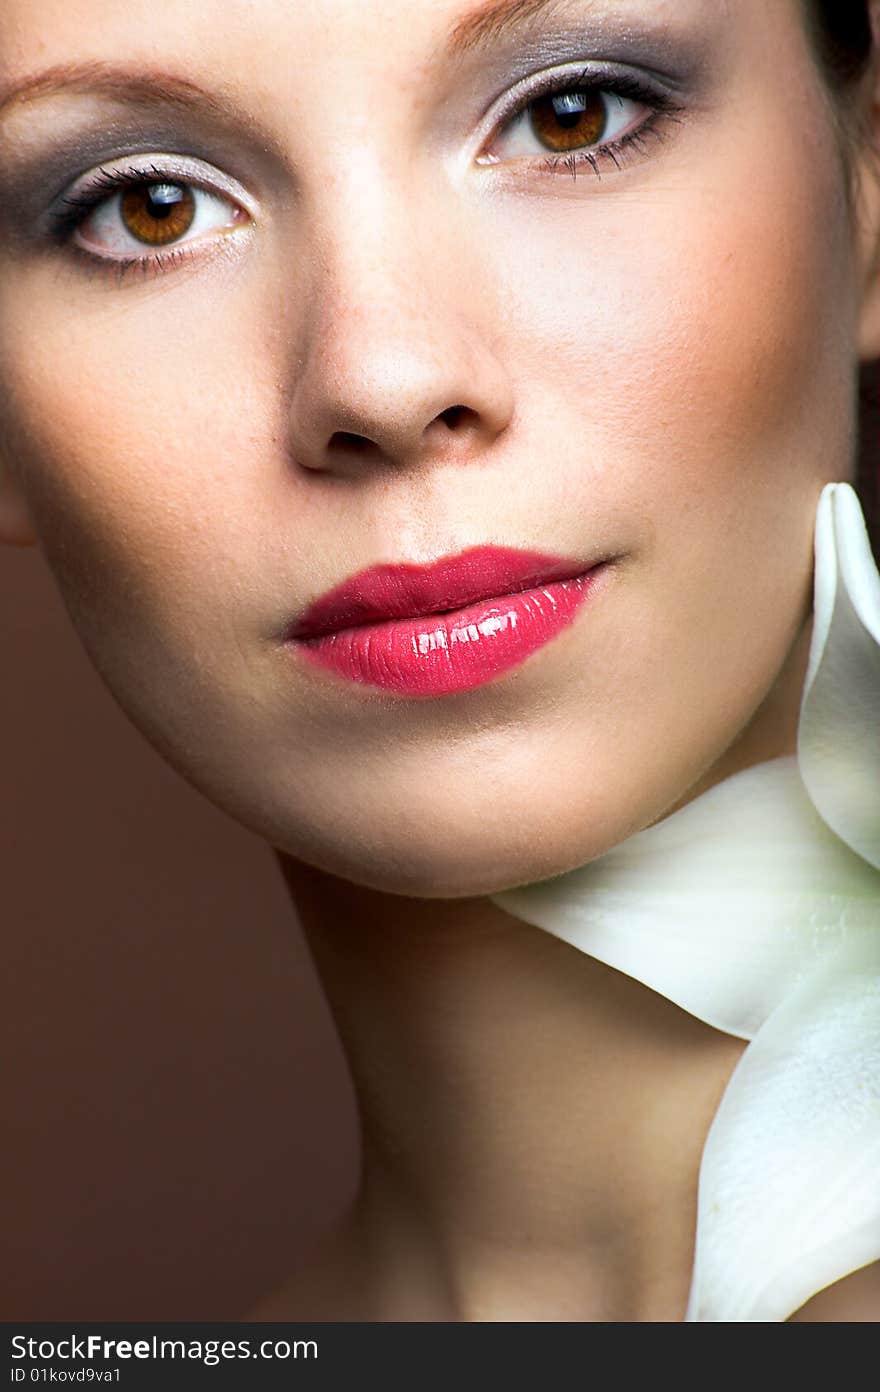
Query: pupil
(568, 108)
(162, 199)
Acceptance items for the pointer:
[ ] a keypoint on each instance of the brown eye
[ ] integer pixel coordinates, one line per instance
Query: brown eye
(565, 121)
(158, 213)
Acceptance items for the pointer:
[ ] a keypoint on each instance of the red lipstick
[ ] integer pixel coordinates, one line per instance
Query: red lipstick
(429, 630)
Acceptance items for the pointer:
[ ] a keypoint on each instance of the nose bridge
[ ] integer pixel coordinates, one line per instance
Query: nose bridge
(392, 331)
(380, 266)
(385, 254)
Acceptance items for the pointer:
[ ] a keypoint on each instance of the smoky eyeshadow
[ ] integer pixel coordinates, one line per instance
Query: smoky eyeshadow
(686, 60)
(33, 181)
(678, 63)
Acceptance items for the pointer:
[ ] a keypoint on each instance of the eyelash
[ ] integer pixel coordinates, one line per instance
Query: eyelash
(662, 106)
(105, 183)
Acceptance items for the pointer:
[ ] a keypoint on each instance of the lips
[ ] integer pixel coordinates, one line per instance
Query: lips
(428, 630)
(407, 591)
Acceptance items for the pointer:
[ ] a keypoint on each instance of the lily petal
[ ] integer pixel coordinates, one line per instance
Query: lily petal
(839, 730)
(789, 1197)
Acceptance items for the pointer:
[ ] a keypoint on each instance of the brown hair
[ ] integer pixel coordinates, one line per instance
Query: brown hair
(845, 44)
(844, 39)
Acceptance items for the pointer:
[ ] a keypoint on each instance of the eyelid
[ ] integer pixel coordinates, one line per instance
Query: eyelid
(156, 164)
(592, 71)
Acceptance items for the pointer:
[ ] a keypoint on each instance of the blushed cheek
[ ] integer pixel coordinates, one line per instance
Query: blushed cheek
(76, 476)
(747, 319)
(760, 358)
(124, 449)
(51, 433)
(702, 321)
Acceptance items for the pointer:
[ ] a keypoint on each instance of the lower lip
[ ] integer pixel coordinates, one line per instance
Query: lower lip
(438, 654)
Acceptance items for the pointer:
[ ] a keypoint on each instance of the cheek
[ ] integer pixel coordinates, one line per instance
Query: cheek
(700, 329)
(140, 464)
(130, 431)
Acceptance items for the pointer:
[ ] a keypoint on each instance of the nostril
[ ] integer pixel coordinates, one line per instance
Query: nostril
(350, 441)
(351, 444)
(453, 415)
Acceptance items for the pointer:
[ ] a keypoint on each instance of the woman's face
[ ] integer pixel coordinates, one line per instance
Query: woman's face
(655, 349)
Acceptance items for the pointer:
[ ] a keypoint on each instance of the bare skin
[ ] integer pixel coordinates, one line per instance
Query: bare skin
(655, 366)
(533, 1120)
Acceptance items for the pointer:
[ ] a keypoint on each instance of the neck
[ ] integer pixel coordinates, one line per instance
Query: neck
(533, 1120)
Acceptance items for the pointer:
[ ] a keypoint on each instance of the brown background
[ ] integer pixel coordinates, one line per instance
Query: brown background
(176, 1113)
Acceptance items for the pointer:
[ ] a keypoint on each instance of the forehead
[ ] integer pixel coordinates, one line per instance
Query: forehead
(42, 32)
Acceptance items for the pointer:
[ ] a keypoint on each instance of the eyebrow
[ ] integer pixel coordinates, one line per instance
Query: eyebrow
(120, 82)
(491, 21)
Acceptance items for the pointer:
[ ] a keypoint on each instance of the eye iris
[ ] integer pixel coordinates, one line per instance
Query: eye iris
(568, 120)
(158, 213)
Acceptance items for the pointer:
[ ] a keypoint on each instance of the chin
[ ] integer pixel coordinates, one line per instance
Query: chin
(431, 862)
(429, 878)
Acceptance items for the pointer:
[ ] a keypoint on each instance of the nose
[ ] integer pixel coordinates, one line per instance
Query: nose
(396, 367)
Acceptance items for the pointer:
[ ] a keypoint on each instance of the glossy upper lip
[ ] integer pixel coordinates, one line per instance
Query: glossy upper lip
(408, 590)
